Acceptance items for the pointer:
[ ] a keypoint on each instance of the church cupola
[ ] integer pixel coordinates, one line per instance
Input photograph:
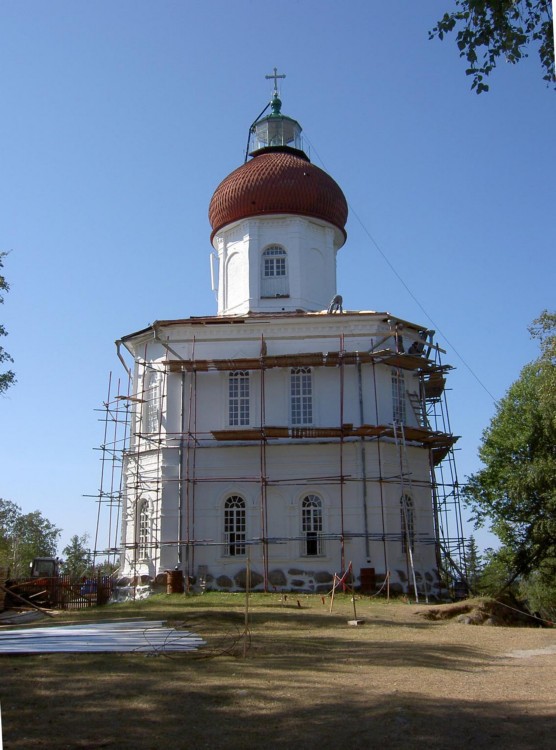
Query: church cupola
(277, 223)
(275, 131)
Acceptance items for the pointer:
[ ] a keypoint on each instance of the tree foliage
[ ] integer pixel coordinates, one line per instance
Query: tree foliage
(535, 592)
(473, 565)
(6, 378)
(24, 536)
(77, 556)
(515, 492)
(540, 595)
(496, 574)
(489, 30)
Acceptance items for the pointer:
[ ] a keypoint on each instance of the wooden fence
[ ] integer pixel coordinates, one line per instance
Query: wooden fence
(59, 592)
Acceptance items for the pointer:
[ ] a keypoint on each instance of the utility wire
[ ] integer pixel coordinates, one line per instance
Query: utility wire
(407, 288)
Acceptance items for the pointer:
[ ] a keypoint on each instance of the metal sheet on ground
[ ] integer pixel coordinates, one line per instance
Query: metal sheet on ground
(133, 636)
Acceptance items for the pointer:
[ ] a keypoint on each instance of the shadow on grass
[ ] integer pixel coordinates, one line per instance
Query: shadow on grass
(136, 702)
(309, 681)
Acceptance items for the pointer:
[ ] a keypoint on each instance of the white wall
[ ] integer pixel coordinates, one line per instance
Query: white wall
(311, 247)
(294, 468)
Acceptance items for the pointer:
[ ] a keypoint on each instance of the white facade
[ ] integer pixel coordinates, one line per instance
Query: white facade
(306, 421)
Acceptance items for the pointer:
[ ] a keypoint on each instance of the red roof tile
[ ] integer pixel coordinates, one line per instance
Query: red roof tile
(277, 182)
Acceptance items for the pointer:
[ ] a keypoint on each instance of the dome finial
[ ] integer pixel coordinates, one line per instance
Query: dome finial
(275, 95)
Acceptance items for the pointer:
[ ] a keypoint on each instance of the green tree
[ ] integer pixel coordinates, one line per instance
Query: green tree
(24, 536)
(6, 378)
(515, 492)
(9, 513)
(496, 573)
(540, 596)
(106, 568)
(77, 556)
(473, 565)
(489, 30)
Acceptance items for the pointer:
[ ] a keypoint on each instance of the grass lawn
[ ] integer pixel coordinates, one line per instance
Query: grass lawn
(300, 678)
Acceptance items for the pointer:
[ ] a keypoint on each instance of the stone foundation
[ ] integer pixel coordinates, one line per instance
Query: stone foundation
(294, 580)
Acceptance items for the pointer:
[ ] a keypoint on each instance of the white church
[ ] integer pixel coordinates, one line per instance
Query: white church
(284, 434)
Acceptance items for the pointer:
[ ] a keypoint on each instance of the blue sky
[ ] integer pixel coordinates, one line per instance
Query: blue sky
(120, 119)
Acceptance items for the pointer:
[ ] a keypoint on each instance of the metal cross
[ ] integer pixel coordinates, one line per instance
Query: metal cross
(276, 76)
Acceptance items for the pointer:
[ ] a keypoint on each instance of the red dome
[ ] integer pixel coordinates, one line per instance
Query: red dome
(277, 182)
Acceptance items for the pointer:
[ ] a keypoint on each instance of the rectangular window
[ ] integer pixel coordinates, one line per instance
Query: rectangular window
(151, 396)
(238, 398)
(301, 385)
(274, 267)
(398, 397)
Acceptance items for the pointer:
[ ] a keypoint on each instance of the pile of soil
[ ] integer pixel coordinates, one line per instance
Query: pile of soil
(483, 612)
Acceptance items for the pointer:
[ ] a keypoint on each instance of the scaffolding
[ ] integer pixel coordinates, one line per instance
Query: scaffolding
(115, 419)
(135, 440)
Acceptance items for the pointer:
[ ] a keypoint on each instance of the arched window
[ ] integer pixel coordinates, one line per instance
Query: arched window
(274, 272)
(234, 525)
(311, 525)
(143, 527)
(301, 391)
(238, 398)
(151, 397)
(407, 523)
(398, 397)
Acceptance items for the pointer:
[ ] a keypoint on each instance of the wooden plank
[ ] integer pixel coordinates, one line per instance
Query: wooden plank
(303, 359)
(25, 601)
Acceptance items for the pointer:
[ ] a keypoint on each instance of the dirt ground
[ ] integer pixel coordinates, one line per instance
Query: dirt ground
(308, 680)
